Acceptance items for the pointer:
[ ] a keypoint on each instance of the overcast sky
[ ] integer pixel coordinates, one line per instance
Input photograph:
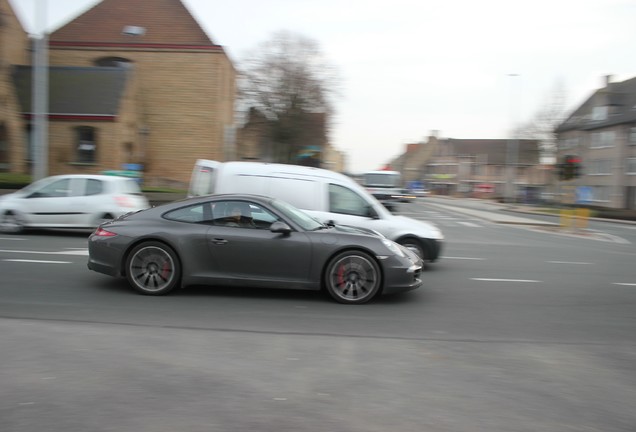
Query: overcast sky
(408, 67)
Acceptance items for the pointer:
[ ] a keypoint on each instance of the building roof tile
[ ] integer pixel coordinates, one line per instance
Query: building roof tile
(76, 91)
(161, 21)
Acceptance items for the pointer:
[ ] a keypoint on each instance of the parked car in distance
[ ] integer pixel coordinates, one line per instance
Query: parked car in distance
(326, 195)
(69, 201)
(248, 241)
(419, 193)
(406, 196)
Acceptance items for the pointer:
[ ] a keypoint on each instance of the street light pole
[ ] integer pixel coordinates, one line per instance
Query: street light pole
(40, 98)
(512, 150)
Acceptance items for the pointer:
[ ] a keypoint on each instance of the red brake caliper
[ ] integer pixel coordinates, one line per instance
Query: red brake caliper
(165, 271)
(341, 275)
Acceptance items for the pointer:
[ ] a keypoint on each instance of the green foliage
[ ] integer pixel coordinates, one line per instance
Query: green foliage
(14, 181)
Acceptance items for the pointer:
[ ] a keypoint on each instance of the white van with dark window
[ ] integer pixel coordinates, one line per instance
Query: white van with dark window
(326, 195)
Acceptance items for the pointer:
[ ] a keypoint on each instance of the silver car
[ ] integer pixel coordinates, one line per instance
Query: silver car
(249, 241)
(70, 201)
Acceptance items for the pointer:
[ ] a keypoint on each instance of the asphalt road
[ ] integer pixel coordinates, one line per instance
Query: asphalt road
(516, 329)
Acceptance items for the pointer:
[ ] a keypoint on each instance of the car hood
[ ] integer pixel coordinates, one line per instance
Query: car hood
(357, 230)
(9, 196)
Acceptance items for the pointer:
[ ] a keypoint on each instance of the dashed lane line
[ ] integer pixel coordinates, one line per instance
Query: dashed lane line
(506, 280)
(77, 252)
(37, 261)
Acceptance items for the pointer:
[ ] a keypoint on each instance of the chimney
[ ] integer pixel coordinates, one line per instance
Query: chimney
(607, 80)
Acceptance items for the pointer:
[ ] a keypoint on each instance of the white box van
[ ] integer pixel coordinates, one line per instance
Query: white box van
(324, 194)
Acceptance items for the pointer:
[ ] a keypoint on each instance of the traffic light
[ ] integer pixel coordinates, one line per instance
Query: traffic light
(570, 168)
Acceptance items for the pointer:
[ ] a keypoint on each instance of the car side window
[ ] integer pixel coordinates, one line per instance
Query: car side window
(242, 214)
(59, 188)
(346, 201)
(198, 213)
(93, 187)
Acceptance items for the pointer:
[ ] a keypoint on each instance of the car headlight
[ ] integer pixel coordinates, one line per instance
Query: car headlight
(393, 247)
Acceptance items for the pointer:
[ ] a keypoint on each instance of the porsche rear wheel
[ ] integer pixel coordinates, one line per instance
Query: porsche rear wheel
(353, 277)
(152, 268)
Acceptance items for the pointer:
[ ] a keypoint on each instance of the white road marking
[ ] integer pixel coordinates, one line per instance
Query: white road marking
(470, 224)
(506, 280)
(570, 262)
(464, 258)
(81, 252)
(624, 284)
(38, 261)
(12, 238)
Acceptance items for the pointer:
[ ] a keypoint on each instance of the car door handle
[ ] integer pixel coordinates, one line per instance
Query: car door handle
(219, 241)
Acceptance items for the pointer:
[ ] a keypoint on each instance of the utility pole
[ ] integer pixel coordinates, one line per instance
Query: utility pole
(40, 97)
(512, 150)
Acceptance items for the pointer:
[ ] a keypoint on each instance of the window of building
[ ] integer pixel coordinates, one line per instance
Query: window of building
(631, 166)
(86, 144)
(599, 113)
(602, 139)
(599, 167)
(600, 193)
(113, 62)
(632, 136)
(568, 143)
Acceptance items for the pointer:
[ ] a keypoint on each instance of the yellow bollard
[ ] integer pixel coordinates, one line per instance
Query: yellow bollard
(582, 217)
(566, 218)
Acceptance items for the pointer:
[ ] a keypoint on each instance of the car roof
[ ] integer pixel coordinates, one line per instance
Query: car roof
(228, 196)
(91, 176)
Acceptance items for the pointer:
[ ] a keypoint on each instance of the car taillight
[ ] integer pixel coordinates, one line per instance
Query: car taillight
(101, 232)
(124, 201)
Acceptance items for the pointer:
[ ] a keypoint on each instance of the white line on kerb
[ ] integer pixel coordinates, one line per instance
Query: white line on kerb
(570, 262)
(38, 261)
(624, 284)
(506, 280)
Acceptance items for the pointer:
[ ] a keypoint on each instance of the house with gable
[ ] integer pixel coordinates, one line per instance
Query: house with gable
(132, 83)
(488, 168)
(601, 132)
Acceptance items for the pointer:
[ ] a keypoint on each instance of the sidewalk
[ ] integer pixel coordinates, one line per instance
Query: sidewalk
(501, 213)
(495, 216)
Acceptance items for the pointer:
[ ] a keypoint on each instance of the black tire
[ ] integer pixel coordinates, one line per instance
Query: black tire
(415, 246)
(153, 268)
(353, 277)
(10, 223)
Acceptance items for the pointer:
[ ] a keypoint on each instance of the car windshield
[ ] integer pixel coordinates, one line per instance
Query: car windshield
(299, 217)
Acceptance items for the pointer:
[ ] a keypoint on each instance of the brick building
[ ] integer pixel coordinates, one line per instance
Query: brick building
(131, 82)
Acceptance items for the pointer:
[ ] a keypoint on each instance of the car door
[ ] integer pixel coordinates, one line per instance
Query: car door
(256, 253)
(80, 207)
(48, 205)
(346, 207)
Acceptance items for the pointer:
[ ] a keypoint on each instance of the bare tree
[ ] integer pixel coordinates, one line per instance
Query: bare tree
(542, 126)
(289, 82)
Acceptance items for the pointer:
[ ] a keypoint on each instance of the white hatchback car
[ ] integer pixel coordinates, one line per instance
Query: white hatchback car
(70, 201)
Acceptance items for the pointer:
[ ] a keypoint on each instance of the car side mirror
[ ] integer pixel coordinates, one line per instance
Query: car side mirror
(371, 212)
(280, 228)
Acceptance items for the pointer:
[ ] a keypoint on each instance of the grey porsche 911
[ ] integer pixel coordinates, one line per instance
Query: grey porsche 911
(249, 241)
